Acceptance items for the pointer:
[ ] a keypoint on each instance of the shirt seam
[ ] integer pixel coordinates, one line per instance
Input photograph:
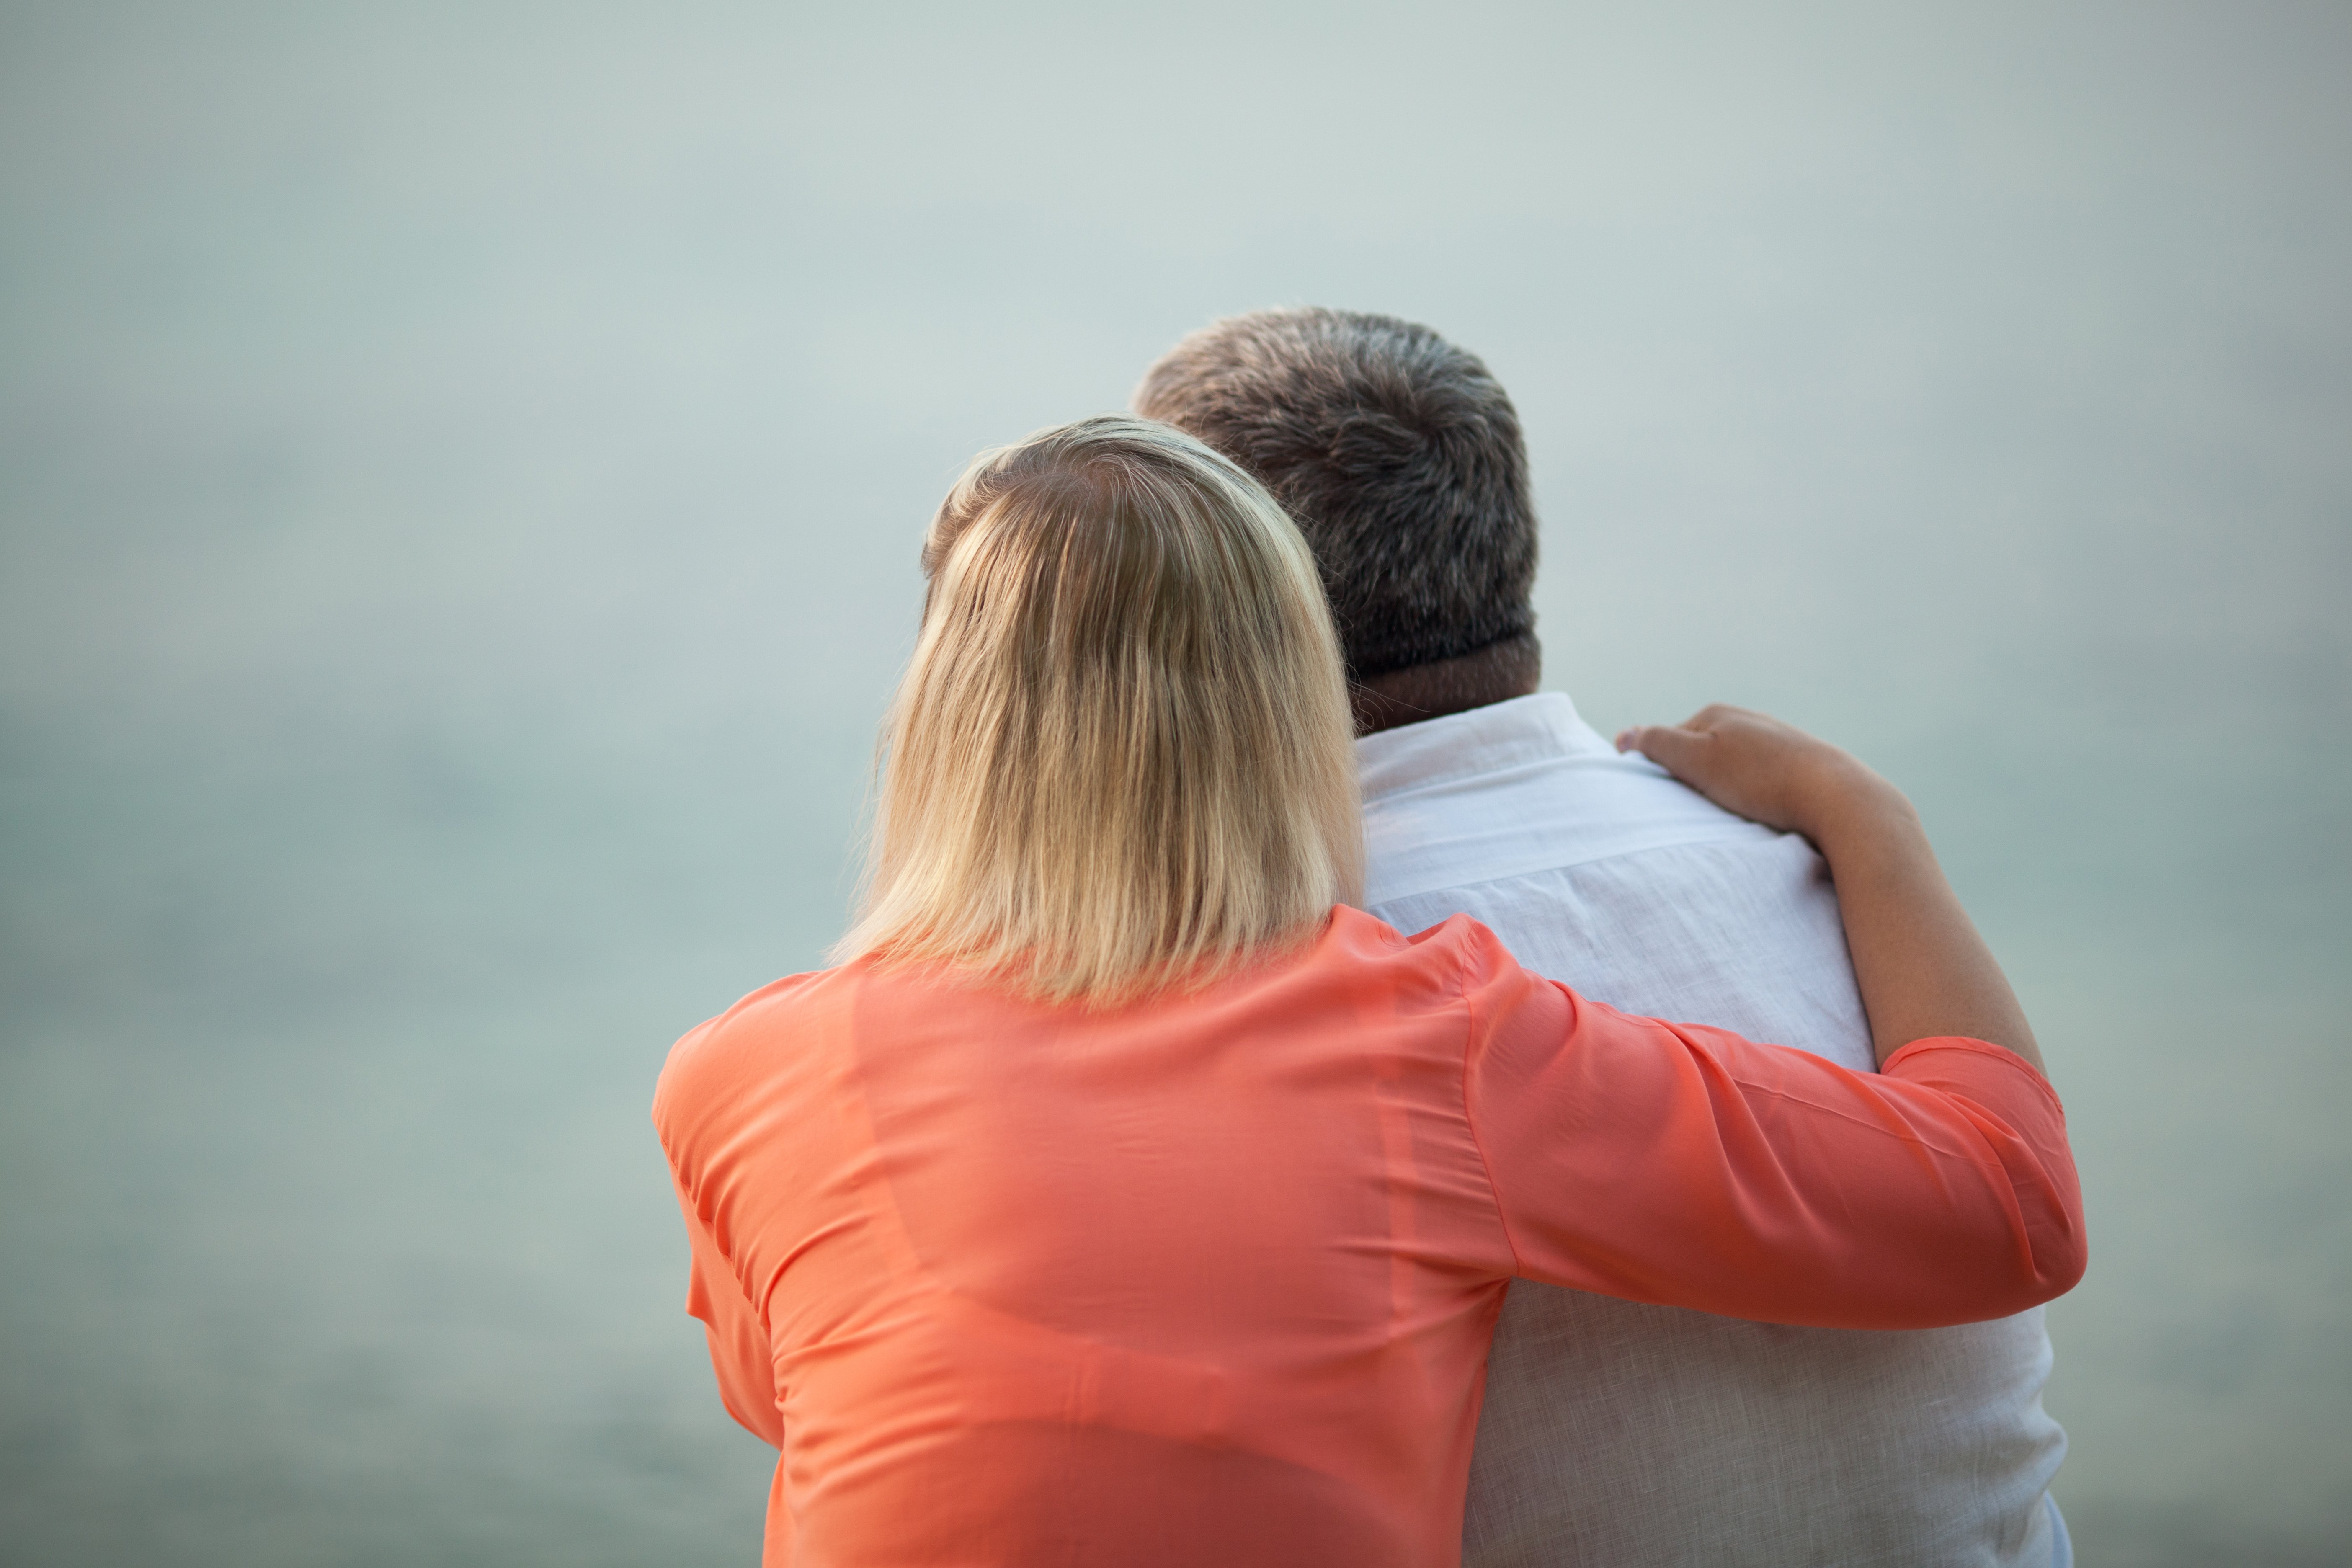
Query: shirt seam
(1498, 771)
(1595, 860)
(1469, 1034)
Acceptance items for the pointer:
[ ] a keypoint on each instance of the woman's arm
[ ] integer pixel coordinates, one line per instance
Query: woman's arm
(1684, 1166)
(739, 1344)
(1679, 1164)
(1923, 970)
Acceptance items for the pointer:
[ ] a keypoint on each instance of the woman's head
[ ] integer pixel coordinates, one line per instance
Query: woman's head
(1120, 757)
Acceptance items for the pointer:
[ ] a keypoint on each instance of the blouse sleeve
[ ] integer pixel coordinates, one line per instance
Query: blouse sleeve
(1686, 1166)
(740, 1352)
(738, 1345)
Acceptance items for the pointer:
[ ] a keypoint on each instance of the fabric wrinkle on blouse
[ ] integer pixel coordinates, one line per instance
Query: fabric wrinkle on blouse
(1211, 1278)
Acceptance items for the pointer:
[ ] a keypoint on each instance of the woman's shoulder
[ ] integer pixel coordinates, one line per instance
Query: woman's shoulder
(1452, 943)
(767, 1031)
(1366, 958)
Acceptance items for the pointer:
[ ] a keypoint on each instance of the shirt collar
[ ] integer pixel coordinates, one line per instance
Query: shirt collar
(1523, 731)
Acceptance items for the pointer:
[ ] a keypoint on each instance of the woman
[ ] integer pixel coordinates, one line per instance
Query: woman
(1125, 1196)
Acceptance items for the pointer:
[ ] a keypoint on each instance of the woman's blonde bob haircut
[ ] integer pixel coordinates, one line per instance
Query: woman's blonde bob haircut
(1121, 758)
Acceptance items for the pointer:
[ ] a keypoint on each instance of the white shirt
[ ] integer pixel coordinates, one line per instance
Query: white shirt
(1620, 1435)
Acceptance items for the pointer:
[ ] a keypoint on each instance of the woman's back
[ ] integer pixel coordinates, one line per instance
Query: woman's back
(1210, 1279)
(1206, 1279)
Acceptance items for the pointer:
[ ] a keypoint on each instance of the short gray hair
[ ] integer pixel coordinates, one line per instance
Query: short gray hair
(1399, 455)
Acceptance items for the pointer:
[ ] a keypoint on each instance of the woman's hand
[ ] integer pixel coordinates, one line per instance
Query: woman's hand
(1772, 773)
(1921, 966)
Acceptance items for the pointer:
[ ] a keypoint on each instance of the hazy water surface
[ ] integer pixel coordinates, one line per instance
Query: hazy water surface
(460, 471)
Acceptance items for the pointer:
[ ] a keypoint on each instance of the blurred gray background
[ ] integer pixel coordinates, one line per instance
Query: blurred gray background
(460, 473)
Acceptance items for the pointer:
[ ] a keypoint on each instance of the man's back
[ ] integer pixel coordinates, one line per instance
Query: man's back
(1626, 1435)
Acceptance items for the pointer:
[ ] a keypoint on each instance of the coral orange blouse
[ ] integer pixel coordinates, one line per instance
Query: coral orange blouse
(1209, 1280)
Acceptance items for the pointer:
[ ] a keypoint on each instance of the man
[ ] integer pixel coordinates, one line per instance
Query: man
(1613, 1433)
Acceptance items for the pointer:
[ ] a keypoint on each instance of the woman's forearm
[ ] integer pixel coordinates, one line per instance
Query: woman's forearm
(1922, 968)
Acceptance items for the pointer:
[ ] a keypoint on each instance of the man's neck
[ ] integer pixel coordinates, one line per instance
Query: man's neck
(1497, 673)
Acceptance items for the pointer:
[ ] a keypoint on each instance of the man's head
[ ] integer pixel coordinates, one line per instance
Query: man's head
(1401, 458)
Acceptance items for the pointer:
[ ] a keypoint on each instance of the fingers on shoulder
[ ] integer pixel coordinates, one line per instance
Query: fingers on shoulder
(1724, 715)
(1674, 747)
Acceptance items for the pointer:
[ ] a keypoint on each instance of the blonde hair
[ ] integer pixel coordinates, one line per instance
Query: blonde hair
(1120, 758)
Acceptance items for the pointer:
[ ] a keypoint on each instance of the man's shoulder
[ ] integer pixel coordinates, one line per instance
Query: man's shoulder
(1519, 787)
(1602, 871)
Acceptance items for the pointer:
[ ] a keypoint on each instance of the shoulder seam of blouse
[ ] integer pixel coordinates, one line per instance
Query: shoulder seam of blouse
(1470, 1032)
